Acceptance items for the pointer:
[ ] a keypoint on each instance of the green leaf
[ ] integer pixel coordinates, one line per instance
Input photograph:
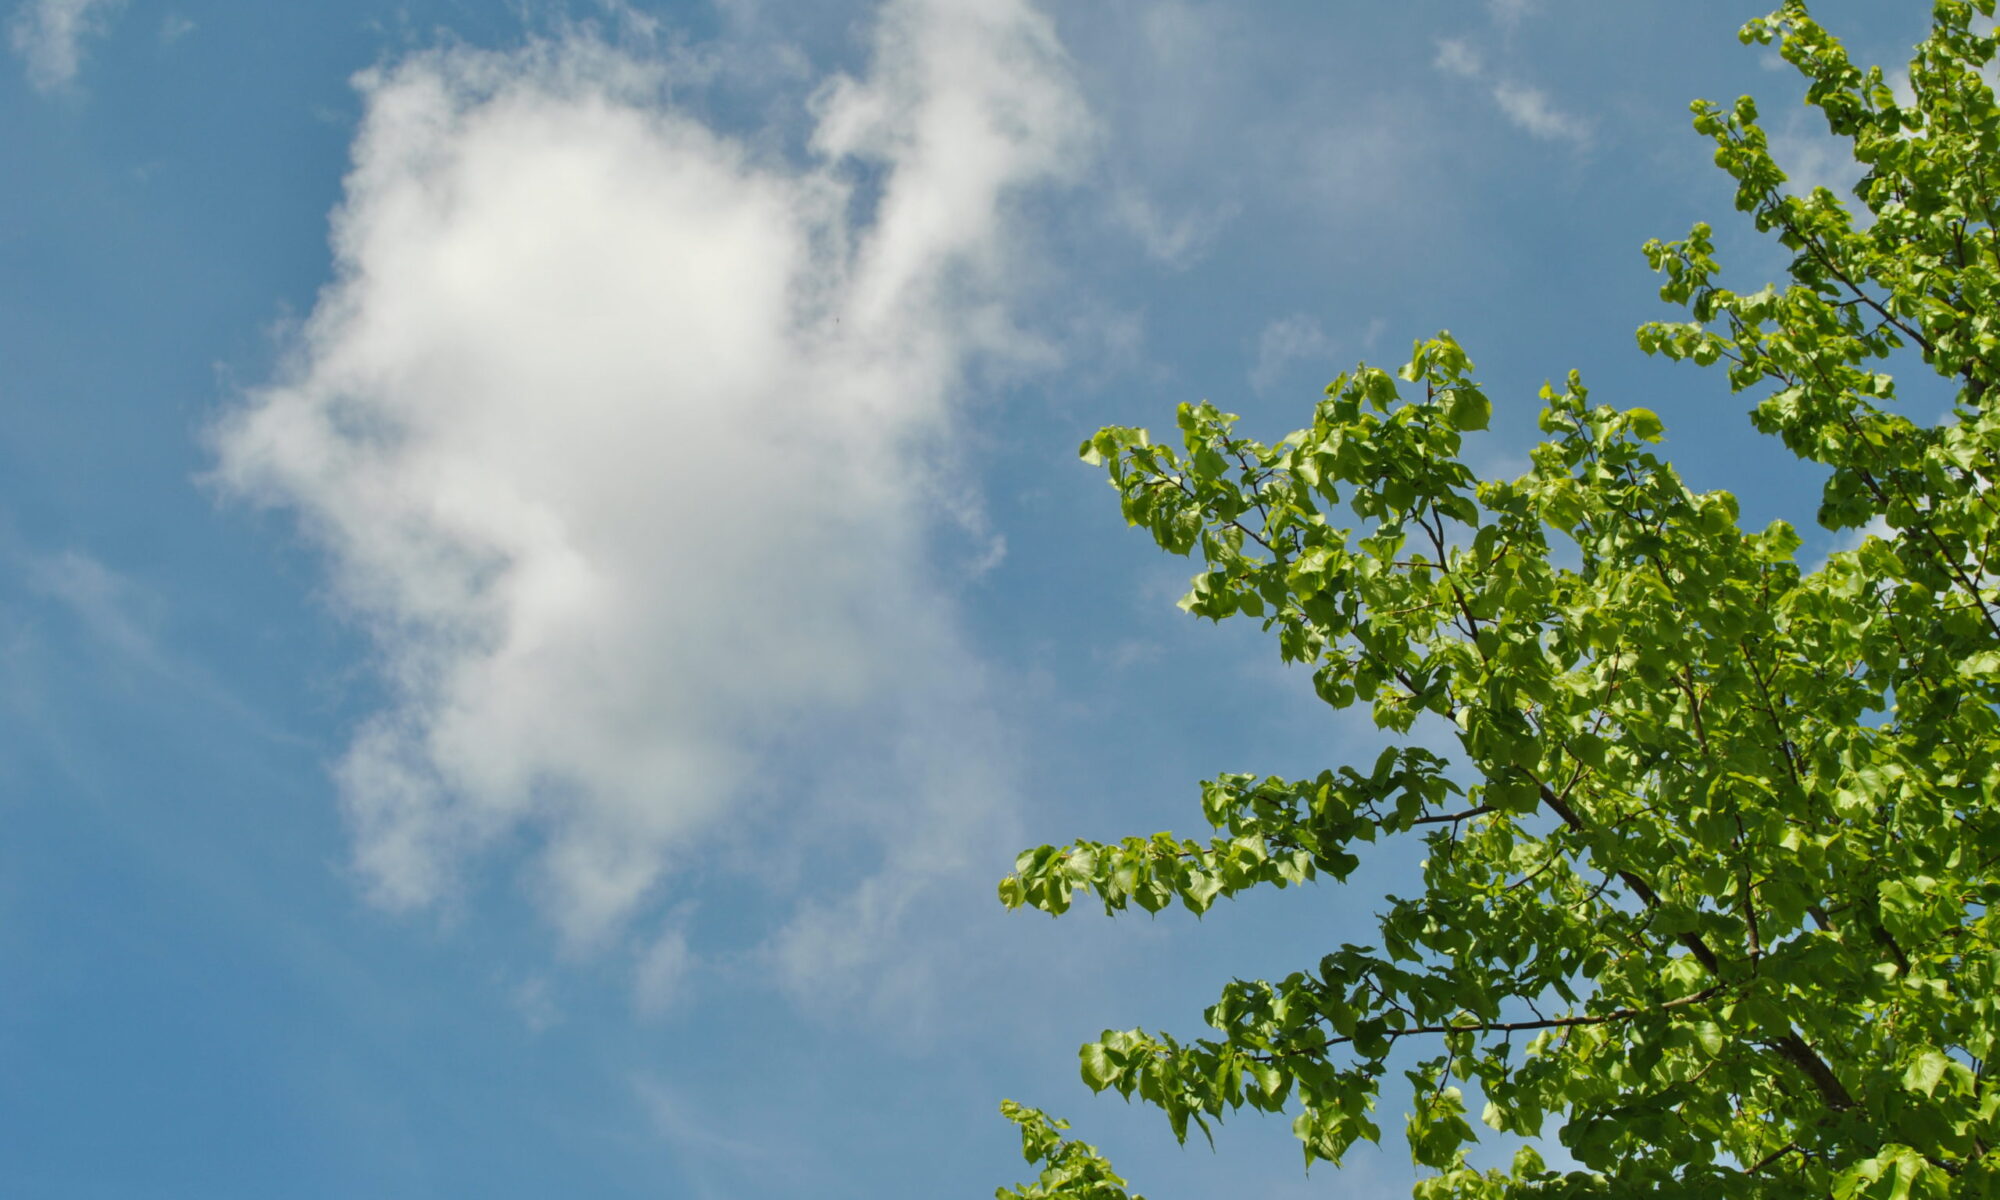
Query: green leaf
(1644, 424)
(1470, 409)
(1700, 871)
(1098, 1069)
(1925, 1071)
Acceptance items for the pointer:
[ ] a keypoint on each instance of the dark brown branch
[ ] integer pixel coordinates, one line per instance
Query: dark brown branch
(1772, 1157)
(1454, 818)
(1793, 1048)
(1510, 1027)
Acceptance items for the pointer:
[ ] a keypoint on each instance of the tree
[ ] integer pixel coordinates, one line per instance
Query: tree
(1711, 855)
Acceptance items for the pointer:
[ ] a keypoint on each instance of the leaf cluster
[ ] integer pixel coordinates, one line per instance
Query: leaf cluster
(1710, 858)
(1071, 1170)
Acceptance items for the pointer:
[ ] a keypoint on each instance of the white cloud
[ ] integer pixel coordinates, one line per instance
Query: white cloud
(1284, 342)
(1372, 335)
(1509, 13)
(534, 1000)
(105, 602)
(1176, 32)
(661, 980)
(1365, 167)
(1176, 241)
(620, 438)
(1456, 56)
(1529, 108)
(1532, 110)
(48, 36)
(1128, 653)
(1812, 158)
(900, 936)
(1849, 540)
(714, 1160)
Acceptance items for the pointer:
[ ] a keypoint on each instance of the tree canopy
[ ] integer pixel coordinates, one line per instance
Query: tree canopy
(1710, 832)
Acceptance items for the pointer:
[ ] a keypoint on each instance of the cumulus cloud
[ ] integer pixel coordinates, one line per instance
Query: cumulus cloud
(622, 439)
(48, 36)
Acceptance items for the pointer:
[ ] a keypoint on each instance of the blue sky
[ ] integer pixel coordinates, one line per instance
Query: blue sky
(543, 575)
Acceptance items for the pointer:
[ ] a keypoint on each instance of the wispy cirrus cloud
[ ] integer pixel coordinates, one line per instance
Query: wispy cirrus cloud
(120, 625)
(1531, 109)
(1299, 338)
(48, 37)
(1456, 56)
(621, 437)
(1509, 13)
(1286, 341)
(1175, 240)
(1528, 108)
